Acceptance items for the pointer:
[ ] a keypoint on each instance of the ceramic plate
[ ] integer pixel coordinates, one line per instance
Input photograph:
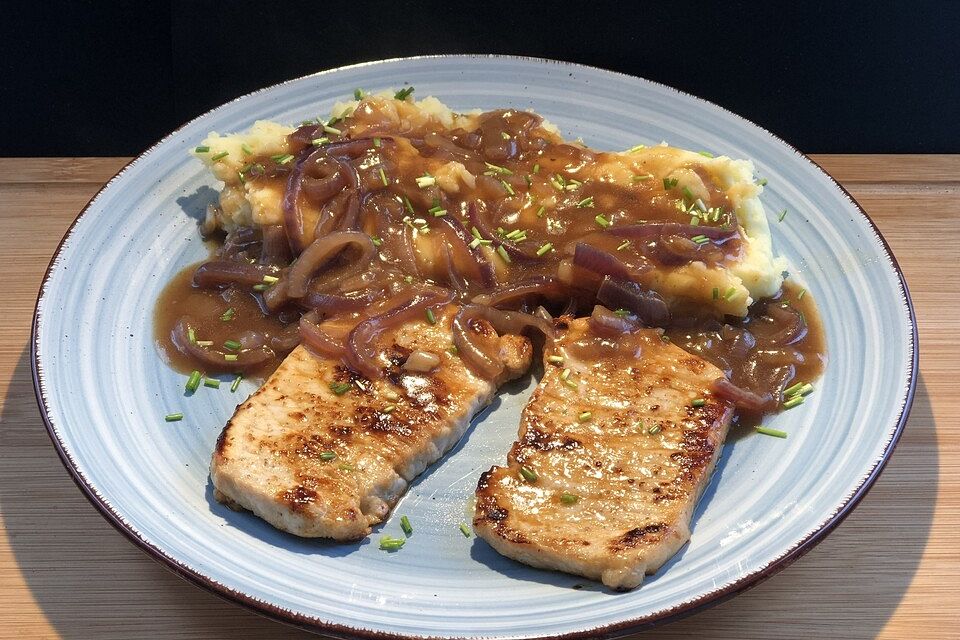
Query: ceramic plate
(103, 389)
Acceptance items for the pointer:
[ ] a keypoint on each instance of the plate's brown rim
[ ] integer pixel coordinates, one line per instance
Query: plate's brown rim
(621, 628)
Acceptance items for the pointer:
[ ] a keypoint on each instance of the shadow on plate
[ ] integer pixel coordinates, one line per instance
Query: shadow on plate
(88, 581)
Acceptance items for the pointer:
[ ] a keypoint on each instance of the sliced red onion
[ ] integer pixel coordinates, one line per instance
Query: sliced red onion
(323, 250)
(212, 359)
(276, 249)
(791, 323)
(330, 304)
(653, 231)
(222, 273)
(647, 306)
(512, 295)
(208, 226)
(607, 323)
(598, 261)
(318, 341)
(323, 178)
(742, 398)
(292, 216)
(476, 348)
(286, 340)
(463, 240)
(361, 353)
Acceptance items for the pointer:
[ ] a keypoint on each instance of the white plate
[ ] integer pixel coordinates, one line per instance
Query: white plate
(103, 389)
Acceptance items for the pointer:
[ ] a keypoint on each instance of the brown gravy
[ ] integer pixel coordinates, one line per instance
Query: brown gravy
(534, 200)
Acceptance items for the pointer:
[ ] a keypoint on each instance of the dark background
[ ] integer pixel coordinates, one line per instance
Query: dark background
(96, 78)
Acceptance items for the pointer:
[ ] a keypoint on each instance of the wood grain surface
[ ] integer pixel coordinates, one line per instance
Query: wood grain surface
(891, 570)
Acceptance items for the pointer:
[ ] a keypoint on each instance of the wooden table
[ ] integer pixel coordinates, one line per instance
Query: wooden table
(892, 569)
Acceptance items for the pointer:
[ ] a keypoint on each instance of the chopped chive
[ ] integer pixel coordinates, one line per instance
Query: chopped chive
(328, 129)
(762, 182)
(698, 402)
(261, 287)
(793, 390)
(228, 315)
(202, 149)
(687, 193)
(426, 180)
(377, 142)
(800, 295)
(383, 178)
(319, 142)
(636, 148)
(193, 382)
(408, 279)
(282, 158)
(213, 383)
(783, 214)
(205, 343)
(390, 408)
(513, 235)
(555, 359)
(405, 525)
(504, 135)
(346, 467)
(388, 543)
(340, 388)
(571, 383)
(545, 249)
(603, 222)
(569, 498)
(623, 245)
(701, 239)
(506, 185)
(584, 416)
(173, 417)
(328, 455)
(669, 183)
(565, 374)
(230, 357)
(705, 154)
(439, 213)
(528, 474)
(403, 94)
(358, 94)
(654, 430)
(541, 211)
(776, 433)
(431, 318)
(233, 345)
(699, 204)
(246, 149)
(731, 292)
(220, 156)
(192, 335)
(502, 252)
(694, 221)
(536, 168)
(495, 168)
(465, 530)
(376, 241)
(792, 402)
(642, 178)
(716, 293)
(407, 205)
(235, 384)
(621, 313)
(805, 390)
(586, 202)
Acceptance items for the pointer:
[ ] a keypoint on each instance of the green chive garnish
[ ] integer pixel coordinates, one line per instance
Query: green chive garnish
(228, 315)
(540, 211)
(623, 245)
(536, 168)
(545, 249)
(282, 158)
(219, 156)
(506, 185)
(213, 383)
(636, 148)
(792, 390)
(388, 543)
(528, 474)
(705, 154)
(654, 430)
(328, 455)
(569, 498)
(383, 178)
(731, 292)
(340, 388)
(783, 214)
(235, 384)
(230, 357)
(204, 343)
(669, 183)
(233, 345)
(716, 293)
(586, 202)
(319, 142)
(792, 402)
(603, 222)
(377, 142)
(246, 149)
(494, 168)
(642, 178)
(805, 390)
(261, 287)
(800, 295)
(699, 402)
(193, 382)
(346, 467)
(776, 433)
(502, 252)
(555, 359)
(328, 129)
(192, 335)
(621, 313)
(465, 530)
(358, 94)
(762, 182)
(202, 149)
(403, 94)
(173, 417)
(431, 318)
(584, 416)
(405, 525)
